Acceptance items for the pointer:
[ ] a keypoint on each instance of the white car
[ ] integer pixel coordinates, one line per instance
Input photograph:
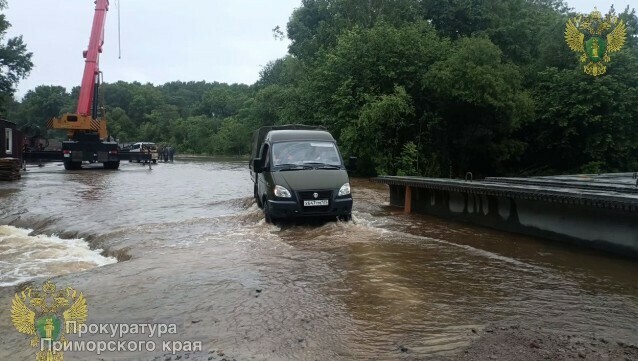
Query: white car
(143, 147)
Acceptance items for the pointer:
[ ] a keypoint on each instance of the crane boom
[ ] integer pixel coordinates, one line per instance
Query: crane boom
(92, 56)
(86, 123)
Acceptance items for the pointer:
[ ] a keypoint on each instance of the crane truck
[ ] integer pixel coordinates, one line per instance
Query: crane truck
(88, 138)
(86, 129)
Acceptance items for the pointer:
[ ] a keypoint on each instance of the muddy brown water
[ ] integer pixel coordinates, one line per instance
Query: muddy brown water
(184, 243)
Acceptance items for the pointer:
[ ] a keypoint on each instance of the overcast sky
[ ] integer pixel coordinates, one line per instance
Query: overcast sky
(212, 40)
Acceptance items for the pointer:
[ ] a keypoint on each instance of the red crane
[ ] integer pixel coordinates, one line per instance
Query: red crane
(90, 79)
(86, 129)
(88, 140)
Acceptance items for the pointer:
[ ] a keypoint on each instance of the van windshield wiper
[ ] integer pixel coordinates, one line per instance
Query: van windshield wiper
(323, 165)
(290, 166)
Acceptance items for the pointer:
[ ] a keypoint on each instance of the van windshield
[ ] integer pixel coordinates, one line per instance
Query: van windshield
(305, 152)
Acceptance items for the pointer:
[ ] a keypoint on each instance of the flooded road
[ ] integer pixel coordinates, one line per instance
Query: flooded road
(184, 243)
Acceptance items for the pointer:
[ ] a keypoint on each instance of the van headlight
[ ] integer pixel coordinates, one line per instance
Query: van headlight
(282, 192)
(344, 190)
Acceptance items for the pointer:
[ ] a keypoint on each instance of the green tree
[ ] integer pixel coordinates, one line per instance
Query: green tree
(117, 95)
(585, 124)
(377, 136)
(223, 101)
(317, 24)
(481, 102)
(368, 63)
(195, 135)
(42, 104)
(14, 59)
(286, 71)
(144, 99)
(233, 137)
(409, 160)
(162, 117)
(120, 125)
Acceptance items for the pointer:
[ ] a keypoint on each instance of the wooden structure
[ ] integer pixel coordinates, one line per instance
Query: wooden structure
(10, 151)
(11, 140)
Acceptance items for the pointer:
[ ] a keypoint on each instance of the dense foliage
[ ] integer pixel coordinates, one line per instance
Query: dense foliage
(422, 87)
(15, 61)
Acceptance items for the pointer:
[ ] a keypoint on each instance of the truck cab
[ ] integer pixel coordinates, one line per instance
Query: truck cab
(299, 172)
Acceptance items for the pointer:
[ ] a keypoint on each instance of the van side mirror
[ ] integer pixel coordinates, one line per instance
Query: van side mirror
(352, 164)
(257, 168)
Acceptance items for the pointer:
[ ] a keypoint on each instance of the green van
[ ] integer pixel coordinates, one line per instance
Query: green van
(298, 171)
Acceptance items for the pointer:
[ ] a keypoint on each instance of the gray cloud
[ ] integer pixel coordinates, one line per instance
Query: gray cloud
(225, 41)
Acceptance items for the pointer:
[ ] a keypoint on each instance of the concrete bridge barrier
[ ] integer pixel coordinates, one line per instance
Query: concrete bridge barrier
(597, 211)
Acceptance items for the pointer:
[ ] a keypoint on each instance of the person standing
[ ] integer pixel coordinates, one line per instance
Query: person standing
(166, 153)
(160, 153)
(171, 153)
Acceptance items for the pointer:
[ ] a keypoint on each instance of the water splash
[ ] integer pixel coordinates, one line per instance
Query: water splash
(24, 256)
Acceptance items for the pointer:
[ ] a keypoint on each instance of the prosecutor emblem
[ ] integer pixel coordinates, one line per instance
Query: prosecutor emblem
(44, 314)
(595, 37)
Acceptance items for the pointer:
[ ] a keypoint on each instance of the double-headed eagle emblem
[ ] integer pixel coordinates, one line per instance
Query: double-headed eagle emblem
(595, 37)
(43, 315)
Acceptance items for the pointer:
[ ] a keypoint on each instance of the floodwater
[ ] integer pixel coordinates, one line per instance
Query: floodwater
(185, 244)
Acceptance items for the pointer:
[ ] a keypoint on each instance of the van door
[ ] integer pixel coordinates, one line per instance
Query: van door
(262, 185)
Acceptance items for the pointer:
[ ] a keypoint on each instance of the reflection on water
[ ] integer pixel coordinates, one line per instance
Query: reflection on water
(202, 254)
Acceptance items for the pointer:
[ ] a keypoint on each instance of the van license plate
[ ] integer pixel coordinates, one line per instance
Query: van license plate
(318, 202)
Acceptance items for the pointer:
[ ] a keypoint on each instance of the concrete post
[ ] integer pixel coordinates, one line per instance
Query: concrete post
(407, 209)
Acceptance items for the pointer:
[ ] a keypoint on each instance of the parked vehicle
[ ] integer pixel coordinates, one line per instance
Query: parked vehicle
(88, 138)
(145, 147)
(298, 171)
